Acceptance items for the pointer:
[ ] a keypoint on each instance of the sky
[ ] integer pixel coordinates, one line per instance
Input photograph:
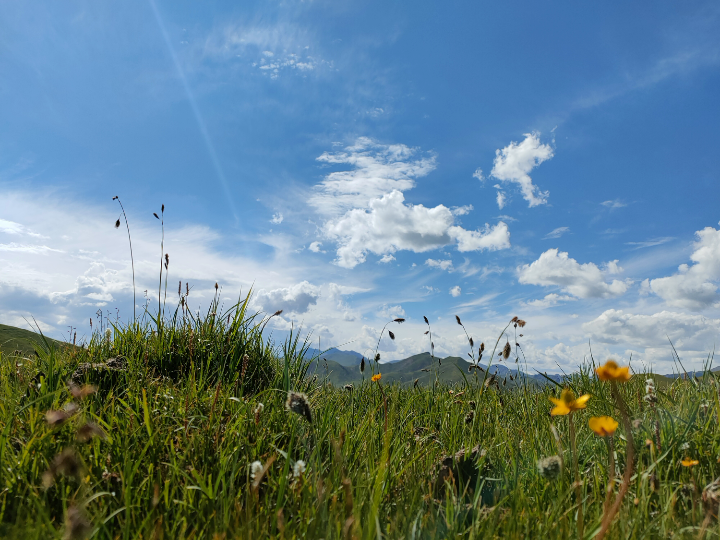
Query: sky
(354, 162)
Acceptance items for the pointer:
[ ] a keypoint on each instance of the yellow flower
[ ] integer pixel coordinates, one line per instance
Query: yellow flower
(687, 462)
(567, 403)
(603, 426)
(376, 378)
(612, 372)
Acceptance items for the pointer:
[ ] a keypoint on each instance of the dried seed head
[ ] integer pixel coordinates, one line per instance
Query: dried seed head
(482, 347)
(377, 357)
(56, 418)
(521, 323)
(89, 430)
(299, 468)
(392, 336)
(426, 320)
(415, 384)
(216, 285)
(117, 224)
(469, 417)
(297, 402)
(506, 350)
(550, 467)
(278, 312)
(399, 320)
(471, 342)
(77, 527)
(180, 288)
(458, 320)
(66, 463)
(362, 365)
(81, 392)
(156, 216)
(256, 468)
(514, 320)
(472, 404)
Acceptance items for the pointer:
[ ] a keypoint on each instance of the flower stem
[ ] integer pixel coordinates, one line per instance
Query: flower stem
(578, 490)
(610, 515)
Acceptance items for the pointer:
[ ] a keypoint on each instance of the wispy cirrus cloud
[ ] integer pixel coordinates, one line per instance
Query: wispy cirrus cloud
(650, 243)
(556, 233)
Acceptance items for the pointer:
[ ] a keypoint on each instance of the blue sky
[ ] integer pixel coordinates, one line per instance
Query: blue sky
(355, 161)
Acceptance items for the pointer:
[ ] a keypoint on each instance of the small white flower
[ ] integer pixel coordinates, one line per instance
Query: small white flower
(685, 446)
(255, 468)
(259, 408)
(650, 382)
(649, 389)
(299, 468)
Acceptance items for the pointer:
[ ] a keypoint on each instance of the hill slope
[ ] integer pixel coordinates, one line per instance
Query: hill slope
(16, 339)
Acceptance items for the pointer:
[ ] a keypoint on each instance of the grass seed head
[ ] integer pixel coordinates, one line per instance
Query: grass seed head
(506, 350)
(77, 527)
(550, 467)
(297, 402)
(56, 418)
(299, 468)
(87, 431)
(469, 417)
(362, 365)
(256, 468)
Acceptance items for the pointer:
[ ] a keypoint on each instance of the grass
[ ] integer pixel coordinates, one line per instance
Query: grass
(182, 427)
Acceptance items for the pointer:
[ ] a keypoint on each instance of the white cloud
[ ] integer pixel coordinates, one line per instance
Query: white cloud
(455, 291)
(490, 238)
(377, 169)
(612, 205)
(441, 264)
(277, 219)
(555, 268)
(390, 225)
(479, 174)
(367, 210)
(391, 312)
(315, 247)
(556, 233)
(461, 210)
(295, 299)
(686, 331)
(514, 163)
(27, 248)
(500, 199)
(650, 243)
(11, 227)
(694, 287)
(550, 300)
(387, 258)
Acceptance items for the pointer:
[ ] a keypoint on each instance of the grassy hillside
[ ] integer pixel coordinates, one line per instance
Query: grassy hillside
(193, 434)
(14, 339)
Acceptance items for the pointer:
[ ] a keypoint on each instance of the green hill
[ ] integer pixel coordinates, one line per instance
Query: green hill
(14, 339)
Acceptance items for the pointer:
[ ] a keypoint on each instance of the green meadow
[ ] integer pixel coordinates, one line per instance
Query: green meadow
(202, 427)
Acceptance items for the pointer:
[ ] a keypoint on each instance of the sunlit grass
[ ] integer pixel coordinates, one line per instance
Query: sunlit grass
(189, 452)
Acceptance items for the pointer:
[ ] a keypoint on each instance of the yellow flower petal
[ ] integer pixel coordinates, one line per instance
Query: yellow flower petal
(376, 378)
(560, 410)
(581, 402)
(603, 426)
(612, 372)
(687, 462)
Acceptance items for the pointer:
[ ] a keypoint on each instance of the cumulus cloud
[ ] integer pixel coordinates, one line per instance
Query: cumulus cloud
(277, 219)
(295, 299)
(387, 258)
(367, 212)
(490, 238)
(479, 174)
(693, 287)
(441, 264)
(514, 163)
(500, 199)
(315, 247)
(686, 331)
(455, 291)
(391, 312)
(556, 233)
(555, 268)
(391, 225)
